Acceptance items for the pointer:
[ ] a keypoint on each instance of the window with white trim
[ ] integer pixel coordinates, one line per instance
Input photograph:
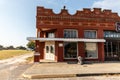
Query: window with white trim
(91, 34)
(91, 50)
(70, 33)
(51, 35)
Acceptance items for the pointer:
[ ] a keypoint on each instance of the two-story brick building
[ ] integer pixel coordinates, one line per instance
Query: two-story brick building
(91, 34)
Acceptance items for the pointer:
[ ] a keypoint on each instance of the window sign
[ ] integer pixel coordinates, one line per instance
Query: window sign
(118, 26)
(111, 34)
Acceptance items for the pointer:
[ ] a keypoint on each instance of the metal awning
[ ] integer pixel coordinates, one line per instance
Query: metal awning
(66, 39)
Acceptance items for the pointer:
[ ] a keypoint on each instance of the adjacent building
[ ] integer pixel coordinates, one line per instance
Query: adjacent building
(92, 34)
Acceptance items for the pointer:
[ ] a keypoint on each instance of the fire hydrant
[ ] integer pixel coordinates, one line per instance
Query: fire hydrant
(80, 60)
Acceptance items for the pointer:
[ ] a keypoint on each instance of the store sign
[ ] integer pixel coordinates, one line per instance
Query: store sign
(60, 45)
(118, 26)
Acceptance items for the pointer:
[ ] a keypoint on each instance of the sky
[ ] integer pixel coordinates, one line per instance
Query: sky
(18, 17)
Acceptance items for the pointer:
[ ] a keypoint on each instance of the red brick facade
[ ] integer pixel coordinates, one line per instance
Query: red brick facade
(87, 19)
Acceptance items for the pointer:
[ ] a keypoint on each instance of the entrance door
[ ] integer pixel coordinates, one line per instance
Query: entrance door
(50, 50)
(112, 50)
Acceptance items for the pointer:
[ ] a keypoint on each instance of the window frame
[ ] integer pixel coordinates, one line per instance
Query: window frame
(72, 34)
(91, 30)
(64, 51)
(96, 51)
(49, 35)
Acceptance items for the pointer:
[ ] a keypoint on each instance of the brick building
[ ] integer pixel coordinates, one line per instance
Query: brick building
(91, 34)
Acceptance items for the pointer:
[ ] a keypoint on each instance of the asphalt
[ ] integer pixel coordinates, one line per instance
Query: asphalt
(61, 70)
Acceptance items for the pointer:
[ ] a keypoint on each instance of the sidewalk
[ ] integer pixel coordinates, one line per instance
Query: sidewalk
(53, 70)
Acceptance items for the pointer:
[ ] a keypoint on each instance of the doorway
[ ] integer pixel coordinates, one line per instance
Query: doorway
(50, 50)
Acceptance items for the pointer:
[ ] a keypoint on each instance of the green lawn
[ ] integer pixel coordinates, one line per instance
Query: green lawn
(4, 54)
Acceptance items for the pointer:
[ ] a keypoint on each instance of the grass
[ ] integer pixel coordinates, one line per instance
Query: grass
(4, 54)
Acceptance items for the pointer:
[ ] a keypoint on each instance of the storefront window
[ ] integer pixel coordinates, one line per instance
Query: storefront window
(91, 34)
(91, 50)
(70, 50)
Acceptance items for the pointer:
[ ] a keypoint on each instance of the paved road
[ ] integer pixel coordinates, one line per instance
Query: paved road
(11, 69)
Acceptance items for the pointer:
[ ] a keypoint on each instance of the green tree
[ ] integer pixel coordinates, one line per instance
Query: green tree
(1, 47)
(10, 47)
(21, 47)
(31, 45)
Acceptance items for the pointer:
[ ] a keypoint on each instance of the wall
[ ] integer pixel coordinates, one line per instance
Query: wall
(85, 19)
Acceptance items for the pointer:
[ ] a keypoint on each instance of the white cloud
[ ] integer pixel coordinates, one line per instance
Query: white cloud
(108, 4)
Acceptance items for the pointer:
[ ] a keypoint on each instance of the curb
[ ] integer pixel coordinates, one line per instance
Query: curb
(38, 76)
(96, 74)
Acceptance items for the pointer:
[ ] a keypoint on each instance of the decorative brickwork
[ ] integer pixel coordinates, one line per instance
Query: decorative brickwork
(86, 19)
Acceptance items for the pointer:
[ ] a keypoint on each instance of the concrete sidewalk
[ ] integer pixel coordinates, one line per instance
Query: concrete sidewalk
(53, 70)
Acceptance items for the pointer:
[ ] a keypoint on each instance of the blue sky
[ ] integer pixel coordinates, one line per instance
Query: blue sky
(18, 17)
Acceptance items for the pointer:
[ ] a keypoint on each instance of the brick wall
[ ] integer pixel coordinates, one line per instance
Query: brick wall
(86, 19)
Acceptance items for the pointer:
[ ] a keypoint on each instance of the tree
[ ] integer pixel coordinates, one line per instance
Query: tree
(10, 47)
(1, 47)
(31, 45)
(21, 47)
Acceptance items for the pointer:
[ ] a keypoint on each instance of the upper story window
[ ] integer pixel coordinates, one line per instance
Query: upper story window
(91, 34)
(50, 35)
(70, 33)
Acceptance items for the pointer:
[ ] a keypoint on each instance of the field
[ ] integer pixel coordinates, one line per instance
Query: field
(4, 54)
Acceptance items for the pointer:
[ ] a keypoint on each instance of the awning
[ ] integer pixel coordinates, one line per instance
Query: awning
(65, 39)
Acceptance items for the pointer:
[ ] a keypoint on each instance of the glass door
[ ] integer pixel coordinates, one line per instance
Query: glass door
(50, 50)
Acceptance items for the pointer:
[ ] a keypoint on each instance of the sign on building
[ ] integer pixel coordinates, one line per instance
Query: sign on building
(117, 26)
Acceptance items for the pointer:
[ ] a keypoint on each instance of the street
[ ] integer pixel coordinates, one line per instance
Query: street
(11, 69)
